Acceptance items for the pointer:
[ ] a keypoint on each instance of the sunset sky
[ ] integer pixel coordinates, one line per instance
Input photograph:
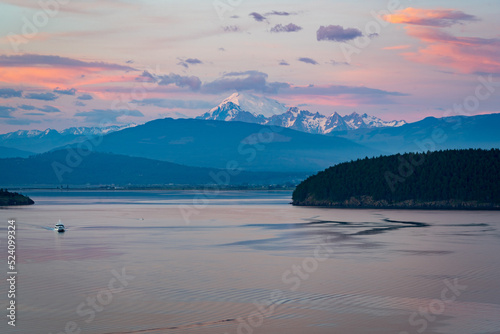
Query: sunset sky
(70, 63)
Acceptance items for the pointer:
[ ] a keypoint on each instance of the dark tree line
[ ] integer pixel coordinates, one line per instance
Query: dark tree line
(462, 175)
(8, 198)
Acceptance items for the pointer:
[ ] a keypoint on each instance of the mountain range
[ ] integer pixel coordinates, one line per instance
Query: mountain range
(284, 144)
(216, 144)
(239, 107)
(242, 107)
(185, 152)
(456, 132)
(36, 141)
(98, 169)
(9, 152)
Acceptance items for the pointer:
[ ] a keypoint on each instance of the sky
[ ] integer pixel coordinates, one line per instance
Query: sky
(66, 63)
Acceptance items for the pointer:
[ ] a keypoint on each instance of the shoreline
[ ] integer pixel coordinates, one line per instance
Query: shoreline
(463, 206)
(398, 208)
(8, 198)
(200, 188)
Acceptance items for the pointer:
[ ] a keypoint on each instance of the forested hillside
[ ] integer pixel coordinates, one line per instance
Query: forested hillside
(8, 198)
(442, 179)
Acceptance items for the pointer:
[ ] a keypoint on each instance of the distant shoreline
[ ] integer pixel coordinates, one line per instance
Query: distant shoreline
(207, 188)
(8, 198)
(406, 205)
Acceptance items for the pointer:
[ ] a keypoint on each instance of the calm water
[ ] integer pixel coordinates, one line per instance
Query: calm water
(248, 262)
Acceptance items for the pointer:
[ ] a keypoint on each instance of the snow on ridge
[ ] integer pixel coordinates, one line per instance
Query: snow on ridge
(76, 131)
(262, 110)
(255, 105)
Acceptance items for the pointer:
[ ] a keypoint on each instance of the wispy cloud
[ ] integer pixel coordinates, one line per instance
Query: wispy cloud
(278, 13)
(430, 17)
(7, 93)
(55, 71)
(34, 60)
(337, 33)
(308, 60)
(243, 81)
(341, 95)
(42, 96)
(441, 48)
(263, 17)
(26, 107)
(192, 82)
(465, 54)
(6, 111)
(333, 90)
(22, 121)
(174, 104)
(397, 47)
(335, 63)
(288, 28)
(232, 28)
(107, 115)
(257, 17)
(71, 91)
(193, 61)
(85, 97)
(80, 7)
(48, 109)
(189, 61)
(34, 114)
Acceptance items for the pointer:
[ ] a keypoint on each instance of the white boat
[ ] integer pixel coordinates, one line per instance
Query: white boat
(59, 227)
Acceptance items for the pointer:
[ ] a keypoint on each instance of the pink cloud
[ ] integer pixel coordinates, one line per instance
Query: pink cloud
(54, 71)
(465, 54)
(77, 7)
(397, 47)
(430, 17)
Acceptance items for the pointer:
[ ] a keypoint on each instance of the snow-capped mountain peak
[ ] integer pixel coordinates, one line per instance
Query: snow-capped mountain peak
(235, 99)
(374, 122)
(255, 105)
(249, 108)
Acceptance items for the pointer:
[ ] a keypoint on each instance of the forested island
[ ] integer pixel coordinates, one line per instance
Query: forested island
(8, 198)
(451, 179)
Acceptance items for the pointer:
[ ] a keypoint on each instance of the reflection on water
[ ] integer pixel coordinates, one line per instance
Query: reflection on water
(250, 263)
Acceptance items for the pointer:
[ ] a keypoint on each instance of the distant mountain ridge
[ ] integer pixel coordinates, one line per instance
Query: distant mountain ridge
(456, 132)
(242, 107)
(39, 141)
(214, 144)
(98, 169)
(8, 152)
(69, 131)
